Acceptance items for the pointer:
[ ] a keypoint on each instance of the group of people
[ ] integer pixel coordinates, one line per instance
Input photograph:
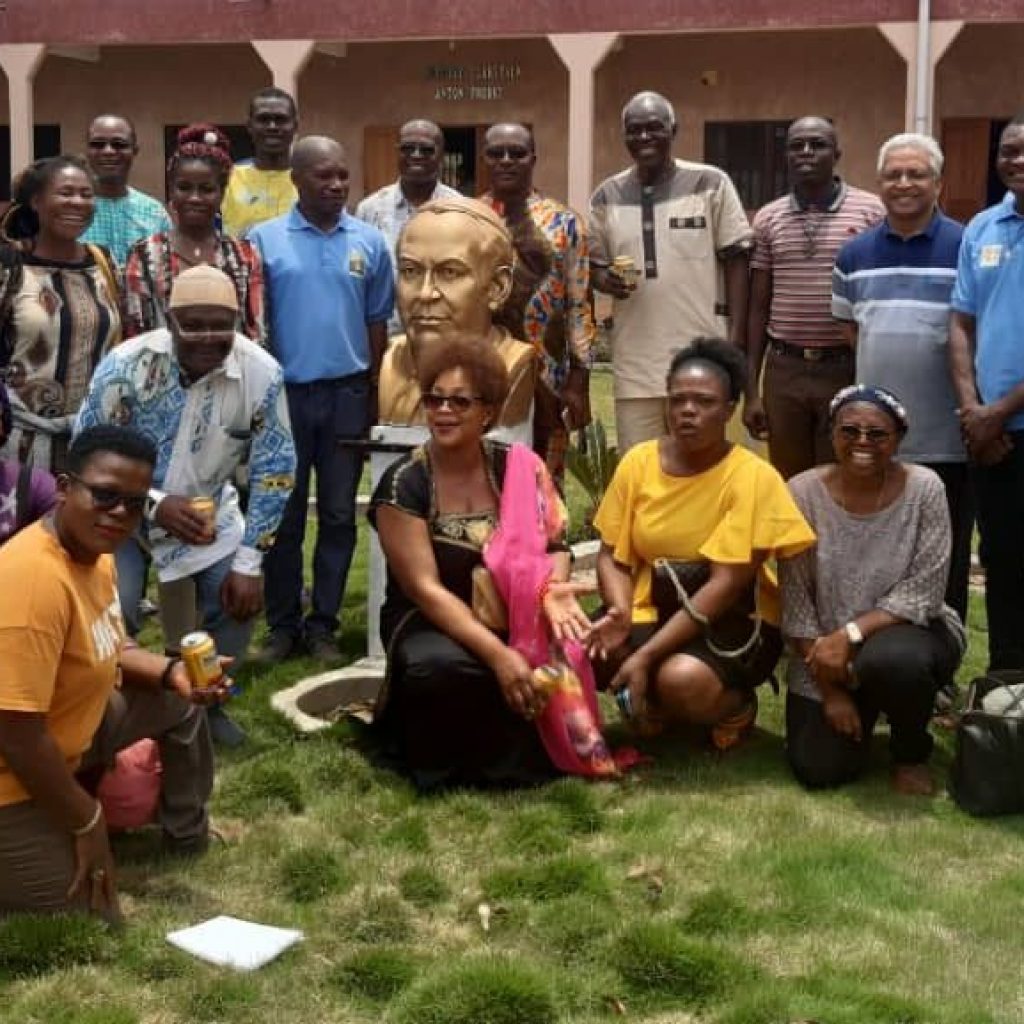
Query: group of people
(238, 343)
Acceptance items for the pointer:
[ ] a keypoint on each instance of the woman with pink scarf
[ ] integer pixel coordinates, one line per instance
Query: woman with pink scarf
(487, 681)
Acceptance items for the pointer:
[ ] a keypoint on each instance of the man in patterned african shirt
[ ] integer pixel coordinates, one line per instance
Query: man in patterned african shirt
(209, 399)
(550, 303)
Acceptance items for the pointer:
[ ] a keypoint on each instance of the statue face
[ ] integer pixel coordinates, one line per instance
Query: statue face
(448, 283)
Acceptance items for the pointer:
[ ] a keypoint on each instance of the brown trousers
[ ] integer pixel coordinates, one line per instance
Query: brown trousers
(37, 856)
(796, 398)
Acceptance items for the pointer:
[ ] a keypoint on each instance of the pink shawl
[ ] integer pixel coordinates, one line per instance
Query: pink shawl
(518, 559)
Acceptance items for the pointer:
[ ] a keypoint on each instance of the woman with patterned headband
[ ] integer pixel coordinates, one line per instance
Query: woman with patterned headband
(863, 611)
(197, 175)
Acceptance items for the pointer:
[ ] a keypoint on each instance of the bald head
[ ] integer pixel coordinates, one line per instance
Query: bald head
(421, 126)
(110, 149)
(647, 105)
(314, 149)
(812, 149)
(816, 124)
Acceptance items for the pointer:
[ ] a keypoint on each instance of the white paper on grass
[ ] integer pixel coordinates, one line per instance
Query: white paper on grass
(232, 942)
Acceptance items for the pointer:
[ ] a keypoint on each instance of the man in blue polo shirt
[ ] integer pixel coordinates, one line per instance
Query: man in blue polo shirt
(987, 356)
(330, 292)
(890, 293)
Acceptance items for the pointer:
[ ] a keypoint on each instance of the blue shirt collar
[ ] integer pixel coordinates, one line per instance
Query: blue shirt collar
(296, 222)
(927, 232)
(1008, 208)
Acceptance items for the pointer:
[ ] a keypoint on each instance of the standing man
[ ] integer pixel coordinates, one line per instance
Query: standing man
(796, 240)
(420, 152)
(680, 224)
(987, 358)
(890, 294)
(331, 290)
(123, 214)
(208, 399)
(261, 188)
(550, 304)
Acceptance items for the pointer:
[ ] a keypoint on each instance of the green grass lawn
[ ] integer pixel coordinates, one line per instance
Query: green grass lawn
(698, 888)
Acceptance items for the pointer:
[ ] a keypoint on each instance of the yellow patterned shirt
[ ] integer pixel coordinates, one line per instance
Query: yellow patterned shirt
(253, 196)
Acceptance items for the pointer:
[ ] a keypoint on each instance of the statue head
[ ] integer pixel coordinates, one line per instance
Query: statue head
(455, 262)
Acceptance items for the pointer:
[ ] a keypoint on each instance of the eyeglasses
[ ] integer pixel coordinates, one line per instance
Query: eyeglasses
(873, 435)
(650, 131)
(417, 149)
(203, 333)
(814, 145)
(106, 500)
(506, 152)
(457, 403)
(117, 145)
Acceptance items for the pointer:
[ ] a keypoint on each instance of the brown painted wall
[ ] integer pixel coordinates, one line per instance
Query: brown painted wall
(153, 86)
(853, 76)
(388, 84)
(981, 74)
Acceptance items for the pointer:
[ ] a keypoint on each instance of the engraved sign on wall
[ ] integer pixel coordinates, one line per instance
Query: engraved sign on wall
(487, 82)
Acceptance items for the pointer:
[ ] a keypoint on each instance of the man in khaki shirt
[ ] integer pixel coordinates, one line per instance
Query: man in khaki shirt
(685, 230)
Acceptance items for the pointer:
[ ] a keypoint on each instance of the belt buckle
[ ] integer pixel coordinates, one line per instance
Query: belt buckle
(813, 355)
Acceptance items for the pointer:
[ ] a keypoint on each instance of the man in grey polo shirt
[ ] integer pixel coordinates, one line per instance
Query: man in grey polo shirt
(891, 290)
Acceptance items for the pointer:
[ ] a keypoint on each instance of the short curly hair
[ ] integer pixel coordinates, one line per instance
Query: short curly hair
(479, 361)
(722, 355)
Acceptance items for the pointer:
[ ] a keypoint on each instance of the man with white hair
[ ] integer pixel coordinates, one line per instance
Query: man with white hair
(681, 229)
(891, 290)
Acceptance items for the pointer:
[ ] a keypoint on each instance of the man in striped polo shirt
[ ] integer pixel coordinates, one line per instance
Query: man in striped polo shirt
(891, 292)
(796, 239)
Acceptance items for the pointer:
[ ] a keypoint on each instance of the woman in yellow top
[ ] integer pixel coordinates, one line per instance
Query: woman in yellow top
(718, 513)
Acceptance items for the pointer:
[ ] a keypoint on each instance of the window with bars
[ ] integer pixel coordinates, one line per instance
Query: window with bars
(754, 155)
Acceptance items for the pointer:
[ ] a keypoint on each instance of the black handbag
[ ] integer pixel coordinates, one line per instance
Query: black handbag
(733, 635)
(987, 777)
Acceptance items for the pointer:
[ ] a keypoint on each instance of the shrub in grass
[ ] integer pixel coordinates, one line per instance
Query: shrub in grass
(379, 918)
(310, 874)
(225, 998)
(262, 787)
(34, 944)
(548, 880)
(575, 928)
(378, 974)
(717, 912)
(409, 833)
(478, 992)
(578, 803)
(655, 959)
(421, 886)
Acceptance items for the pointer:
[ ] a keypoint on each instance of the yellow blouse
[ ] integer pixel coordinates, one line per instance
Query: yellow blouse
(737, 508)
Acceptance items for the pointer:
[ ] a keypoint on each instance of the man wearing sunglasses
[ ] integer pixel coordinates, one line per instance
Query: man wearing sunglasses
(73, 692)
(123, 214)
(208, 398)
(552, 273)
(420, 154)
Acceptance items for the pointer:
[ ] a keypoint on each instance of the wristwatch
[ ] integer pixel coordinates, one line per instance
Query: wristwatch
(853, 633)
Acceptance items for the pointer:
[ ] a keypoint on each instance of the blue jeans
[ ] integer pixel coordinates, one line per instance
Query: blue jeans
(230, 635)
(321, 412)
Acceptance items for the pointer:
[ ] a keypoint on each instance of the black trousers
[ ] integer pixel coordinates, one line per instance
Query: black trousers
(899, 670)
(956, 478)
(999, 491)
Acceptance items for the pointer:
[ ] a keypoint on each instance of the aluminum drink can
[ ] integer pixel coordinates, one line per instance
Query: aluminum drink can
(207, 508)
(625, 267)
(199, 653)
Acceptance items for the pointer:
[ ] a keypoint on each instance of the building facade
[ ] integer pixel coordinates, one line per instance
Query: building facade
(737, 72)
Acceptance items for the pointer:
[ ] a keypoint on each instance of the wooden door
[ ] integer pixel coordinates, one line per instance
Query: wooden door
(965, 141)
(380, 157)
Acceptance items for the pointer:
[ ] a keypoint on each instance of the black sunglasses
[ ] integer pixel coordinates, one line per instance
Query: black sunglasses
(417, 149)
(457, 403)
(873, 435)
(117, 145)
(107, 500)
(506, 152)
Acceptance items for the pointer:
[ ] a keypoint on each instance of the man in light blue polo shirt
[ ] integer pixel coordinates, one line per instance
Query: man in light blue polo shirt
(987, 356)
(891, 287)
(330, 292)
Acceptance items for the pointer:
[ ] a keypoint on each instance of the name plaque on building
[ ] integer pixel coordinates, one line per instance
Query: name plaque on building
(453, 82)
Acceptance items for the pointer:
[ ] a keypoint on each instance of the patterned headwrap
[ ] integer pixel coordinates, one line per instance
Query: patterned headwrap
(873, 395)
